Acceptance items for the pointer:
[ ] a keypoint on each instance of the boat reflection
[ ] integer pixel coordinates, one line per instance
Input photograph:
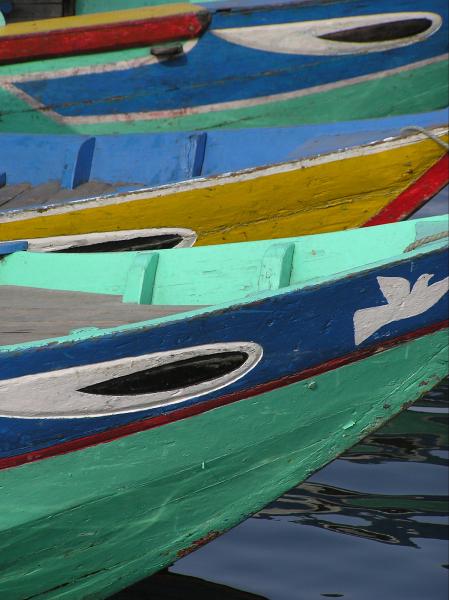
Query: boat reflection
(418, 435)
(173, 586)
(334, 501)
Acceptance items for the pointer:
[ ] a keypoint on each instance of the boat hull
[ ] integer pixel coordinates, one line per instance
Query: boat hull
(108, 474)
(372, 184)
(225, 81)
(102, 518)
(97, 33)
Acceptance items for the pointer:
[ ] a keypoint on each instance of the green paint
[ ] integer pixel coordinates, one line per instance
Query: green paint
(17, 116)
(95, 273)
(418, 90)
(72, 62)
(91, 522)
(276, 267)
(92, 6)
(219, 274)
(215, 276)
(140, 281)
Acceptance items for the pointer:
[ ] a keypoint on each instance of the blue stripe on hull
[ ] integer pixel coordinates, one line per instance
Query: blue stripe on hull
(134, 161)
(297, 330)
(217, 71)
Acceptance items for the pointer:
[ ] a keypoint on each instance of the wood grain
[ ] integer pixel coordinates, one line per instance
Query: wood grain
(106, 31)
(32, 314)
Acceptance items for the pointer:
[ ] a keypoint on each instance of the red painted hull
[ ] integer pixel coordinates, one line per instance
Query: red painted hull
(415, 196)
(99, 38)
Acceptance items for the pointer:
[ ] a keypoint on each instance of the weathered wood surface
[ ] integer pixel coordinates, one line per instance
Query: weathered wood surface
(43, 169)
(30, 314)
(324, 193)
(229, 78)
(96, 33)
(128, 492)
(21, 195)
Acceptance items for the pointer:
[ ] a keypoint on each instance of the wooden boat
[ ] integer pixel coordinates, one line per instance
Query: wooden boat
(42, 169)
(126, 28)
(259, 63)
(385, 178)
(203, 384)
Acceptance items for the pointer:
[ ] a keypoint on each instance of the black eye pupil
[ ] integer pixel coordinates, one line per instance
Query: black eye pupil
(380, 32)
(170, 376)
(154, 242)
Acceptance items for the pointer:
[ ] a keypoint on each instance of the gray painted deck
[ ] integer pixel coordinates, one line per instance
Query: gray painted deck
(30, 314)
(25, 195)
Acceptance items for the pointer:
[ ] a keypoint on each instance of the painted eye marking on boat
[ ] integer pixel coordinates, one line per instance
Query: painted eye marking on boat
(403, 302)
(130, 384)
(171, 376)
(117, 241)
(349, 35)
(380, 32)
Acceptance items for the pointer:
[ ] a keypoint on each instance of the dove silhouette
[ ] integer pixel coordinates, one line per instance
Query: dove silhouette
(402, 303)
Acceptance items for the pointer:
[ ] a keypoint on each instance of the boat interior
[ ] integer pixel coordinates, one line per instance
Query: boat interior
(47, 295)
(63, 168)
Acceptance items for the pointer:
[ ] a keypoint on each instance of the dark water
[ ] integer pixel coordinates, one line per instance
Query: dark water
(371, 525)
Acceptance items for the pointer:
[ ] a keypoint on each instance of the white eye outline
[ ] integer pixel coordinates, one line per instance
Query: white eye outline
(66, 242)
(56, 395)
(304, 37)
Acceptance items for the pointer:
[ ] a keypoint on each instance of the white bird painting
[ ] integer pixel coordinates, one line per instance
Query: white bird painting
(403, 302)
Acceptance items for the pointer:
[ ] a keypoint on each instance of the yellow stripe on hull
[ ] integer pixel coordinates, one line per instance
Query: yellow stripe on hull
(320, 195)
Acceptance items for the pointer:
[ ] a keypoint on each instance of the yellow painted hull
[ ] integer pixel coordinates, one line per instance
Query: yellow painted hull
(339, 191)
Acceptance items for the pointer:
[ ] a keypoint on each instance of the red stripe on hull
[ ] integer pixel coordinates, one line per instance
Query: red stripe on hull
(99, 38)
(190, 411)
(417, 194)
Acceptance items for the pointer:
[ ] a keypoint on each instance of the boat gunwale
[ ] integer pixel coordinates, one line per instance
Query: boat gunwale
(248, 174)
(434, 247)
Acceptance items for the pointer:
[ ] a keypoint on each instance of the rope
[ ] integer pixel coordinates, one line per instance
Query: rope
(427, 240)
(429, 134)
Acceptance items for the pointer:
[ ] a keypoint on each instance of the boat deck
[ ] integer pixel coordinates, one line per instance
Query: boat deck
(13, 197)
(30, 314)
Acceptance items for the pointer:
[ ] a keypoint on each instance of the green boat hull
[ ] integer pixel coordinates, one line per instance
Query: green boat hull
(392, 95)
(238, 74)
(89, 523)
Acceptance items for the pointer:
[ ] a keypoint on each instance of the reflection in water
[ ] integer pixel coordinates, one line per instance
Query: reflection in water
(388, 519)
(419, 435)
(170, 586)
(297, 547)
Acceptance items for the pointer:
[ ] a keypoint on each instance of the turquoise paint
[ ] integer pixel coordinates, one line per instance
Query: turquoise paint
(84, 7)
(276, 267)
(110, 515)
(218, 276)
(141, 278)
(221, 273)
(96, 520)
